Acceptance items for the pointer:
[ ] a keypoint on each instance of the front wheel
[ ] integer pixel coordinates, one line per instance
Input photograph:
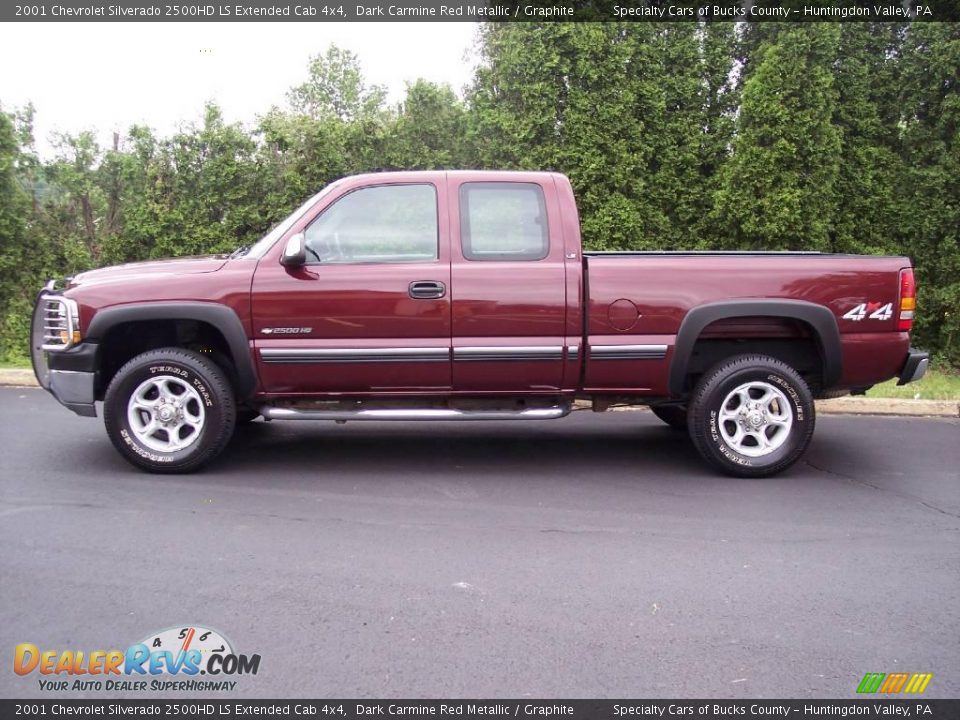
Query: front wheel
(169, 410)
(751, 416)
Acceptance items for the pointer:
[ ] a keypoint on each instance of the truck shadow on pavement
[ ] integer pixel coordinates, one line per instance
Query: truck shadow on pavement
(563, 447)
(628, 447)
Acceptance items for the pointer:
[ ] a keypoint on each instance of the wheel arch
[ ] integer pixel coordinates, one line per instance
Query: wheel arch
(820, 319)
(221, 318)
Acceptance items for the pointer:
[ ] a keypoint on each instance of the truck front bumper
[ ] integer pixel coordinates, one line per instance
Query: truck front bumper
(74, 390)
(915, 367)
(68, 374)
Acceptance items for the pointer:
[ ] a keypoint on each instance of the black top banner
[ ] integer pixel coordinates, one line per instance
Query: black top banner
(494, 11)
(880, 707)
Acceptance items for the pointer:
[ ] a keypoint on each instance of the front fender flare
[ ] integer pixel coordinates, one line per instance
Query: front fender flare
(219, 316)
(819, 317)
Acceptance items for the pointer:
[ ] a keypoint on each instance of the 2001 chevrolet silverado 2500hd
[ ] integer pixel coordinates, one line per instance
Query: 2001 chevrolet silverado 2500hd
(466, 295)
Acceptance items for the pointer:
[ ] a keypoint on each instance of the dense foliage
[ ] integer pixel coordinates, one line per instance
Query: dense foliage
(832, 137)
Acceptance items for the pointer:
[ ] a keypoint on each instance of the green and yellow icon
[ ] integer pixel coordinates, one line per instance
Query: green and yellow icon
(892, 683)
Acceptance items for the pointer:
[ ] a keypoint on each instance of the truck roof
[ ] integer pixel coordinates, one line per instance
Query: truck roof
(472, 175)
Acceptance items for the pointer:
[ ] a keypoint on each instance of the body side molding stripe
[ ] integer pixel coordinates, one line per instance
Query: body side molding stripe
(508, 353)
(405, 354)
(628, 352)
(300, 356)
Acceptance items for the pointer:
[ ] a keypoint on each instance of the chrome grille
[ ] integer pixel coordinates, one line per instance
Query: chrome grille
(56, 324)
(54, 327)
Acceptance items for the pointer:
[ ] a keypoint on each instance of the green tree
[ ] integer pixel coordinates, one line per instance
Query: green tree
(638, 115)
(80, 203)
(866, 74)
(129, 173)
(928, 195)
(429, 129)
(336, 89)
(298, 155)
(691, 129)
(778, 190)
(204, 190)
(573, 98)
(14, 206)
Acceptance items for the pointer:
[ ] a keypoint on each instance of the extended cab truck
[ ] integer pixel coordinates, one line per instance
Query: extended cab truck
(466, 295)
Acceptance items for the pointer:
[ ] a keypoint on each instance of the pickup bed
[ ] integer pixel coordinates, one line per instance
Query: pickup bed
(467, 295)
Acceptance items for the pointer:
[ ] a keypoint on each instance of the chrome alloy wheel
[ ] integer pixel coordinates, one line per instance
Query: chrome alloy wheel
(166, 413)
(755, 419)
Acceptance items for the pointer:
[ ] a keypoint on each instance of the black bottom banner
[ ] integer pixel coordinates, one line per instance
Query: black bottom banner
(592, 709)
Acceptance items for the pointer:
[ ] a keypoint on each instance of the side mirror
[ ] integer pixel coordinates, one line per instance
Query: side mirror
(294, 254)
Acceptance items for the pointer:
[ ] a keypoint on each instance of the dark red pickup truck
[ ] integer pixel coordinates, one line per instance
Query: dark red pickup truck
(466, 295)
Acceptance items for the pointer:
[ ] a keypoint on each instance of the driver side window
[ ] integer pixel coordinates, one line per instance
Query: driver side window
(380, 224)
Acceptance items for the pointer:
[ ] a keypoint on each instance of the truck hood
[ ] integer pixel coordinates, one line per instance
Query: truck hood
(150, 269)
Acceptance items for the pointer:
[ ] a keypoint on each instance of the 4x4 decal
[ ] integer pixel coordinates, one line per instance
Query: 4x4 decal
(871, 311)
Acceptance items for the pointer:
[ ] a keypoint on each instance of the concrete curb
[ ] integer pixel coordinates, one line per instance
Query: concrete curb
(854, 406)
(17, 377)
(838, 406)
(860, 405)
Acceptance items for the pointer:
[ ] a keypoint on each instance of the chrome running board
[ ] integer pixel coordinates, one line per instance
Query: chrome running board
(285, 413)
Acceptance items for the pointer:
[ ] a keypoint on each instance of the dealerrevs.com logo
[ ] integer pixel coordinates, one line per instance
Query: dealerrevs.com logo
(169, 660)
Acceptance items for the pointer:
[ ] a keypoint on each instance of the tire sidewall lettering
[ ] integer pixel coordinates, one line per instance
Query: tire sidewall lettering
(204, 393)
(791, 392)
(142, 451)
(722, 446)
(173, 370)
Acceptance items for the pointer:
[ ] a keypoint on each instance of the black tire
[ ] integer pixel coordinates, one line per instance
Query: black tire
(207, 394)
(710, 432)
(673, 415)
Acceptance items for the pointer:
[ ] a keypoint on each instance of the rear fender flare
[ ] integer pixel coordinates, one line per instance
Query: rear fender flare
(219, 316)
(820, 318)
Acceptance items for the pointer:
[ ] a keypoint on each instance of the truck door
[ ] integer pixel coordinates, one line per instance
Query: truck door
(370, 310)
(508, 285)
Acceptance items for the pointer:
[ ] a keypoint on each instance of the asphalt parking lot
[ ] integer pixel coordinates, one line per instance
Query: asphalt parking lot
(589, 557)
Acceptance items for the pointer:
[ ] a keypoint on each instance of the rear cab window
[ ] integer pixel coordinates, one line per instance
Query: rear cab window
(503, 221)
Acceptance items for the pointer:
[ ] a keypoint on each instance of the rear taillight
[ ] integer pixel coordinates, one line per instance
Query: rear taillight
(908, 299)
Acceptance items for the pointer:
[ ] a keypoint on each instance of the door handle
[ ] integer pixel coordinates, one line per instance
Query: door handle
(427, 290)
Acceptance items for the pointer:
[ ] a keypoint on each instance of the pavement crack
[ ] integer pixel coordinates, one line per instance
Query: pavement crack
(851, 478)
(859, 481)
(940, 510)
(561, 531)
(15, 507)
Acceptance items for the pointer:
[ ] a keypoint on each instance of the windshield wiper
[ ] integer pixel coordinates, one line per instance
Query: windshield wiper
(239, 252)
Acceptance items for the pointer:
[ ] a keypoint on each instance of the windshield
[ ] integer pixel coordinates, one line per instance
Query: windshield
(267, 241)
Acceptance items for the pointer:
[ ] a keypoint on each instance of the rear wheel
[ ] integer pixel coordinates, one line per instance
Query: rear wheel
(169, 410)
(751, 416)
(673, 415)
